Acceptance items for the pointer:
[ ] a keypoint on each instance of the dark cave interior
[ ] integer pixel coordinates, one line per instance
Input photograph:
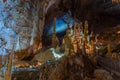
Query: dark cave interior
(60, 40)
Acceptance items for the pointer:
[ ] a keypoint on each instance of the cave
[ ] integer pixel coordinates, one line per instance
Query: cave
(60, 40)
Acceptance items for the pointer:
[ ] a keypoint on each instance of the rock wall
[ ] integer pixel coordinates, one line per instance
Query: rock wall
(17, 23)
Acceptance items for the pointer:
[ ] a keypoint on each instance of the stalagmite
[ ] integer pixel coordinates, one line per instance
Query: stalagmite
(57, 49)
(10, 64)
(84, 49)
(81, 35)
(55, 40)
(109, 53)
(68, 42)
(67, 51)
(86, 32)
(92, 47)
(85, 36)
(76, 37)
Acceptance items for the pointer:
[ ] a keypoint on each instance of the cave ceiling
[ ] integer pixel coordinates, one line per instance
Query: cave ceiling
(99, 13)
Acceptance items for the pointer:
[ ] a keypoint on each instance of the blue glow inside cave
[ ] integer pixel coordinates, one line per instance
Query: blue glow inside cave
(61, 25)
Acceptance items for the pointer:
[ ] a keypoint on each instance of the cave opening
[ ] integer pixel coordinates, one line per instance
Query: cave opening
(62, 23)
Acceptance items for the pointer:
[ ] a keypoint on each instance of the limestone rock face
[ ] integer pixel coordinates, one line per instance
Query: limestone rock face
(16, 24)
(44, 56)
(67, 68)
(13, 24)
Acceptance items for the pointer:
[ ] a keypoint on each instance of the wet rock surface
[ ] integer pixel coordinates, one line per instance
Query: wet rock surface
(15, 21)
(76, 67)
(67, 68)
(26, 75)
(101, 74)
(16, 24)
(44, 56)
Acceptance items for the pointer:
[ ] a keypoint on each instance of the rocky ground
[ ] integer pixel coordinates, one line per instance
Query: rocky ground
(76, 67)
